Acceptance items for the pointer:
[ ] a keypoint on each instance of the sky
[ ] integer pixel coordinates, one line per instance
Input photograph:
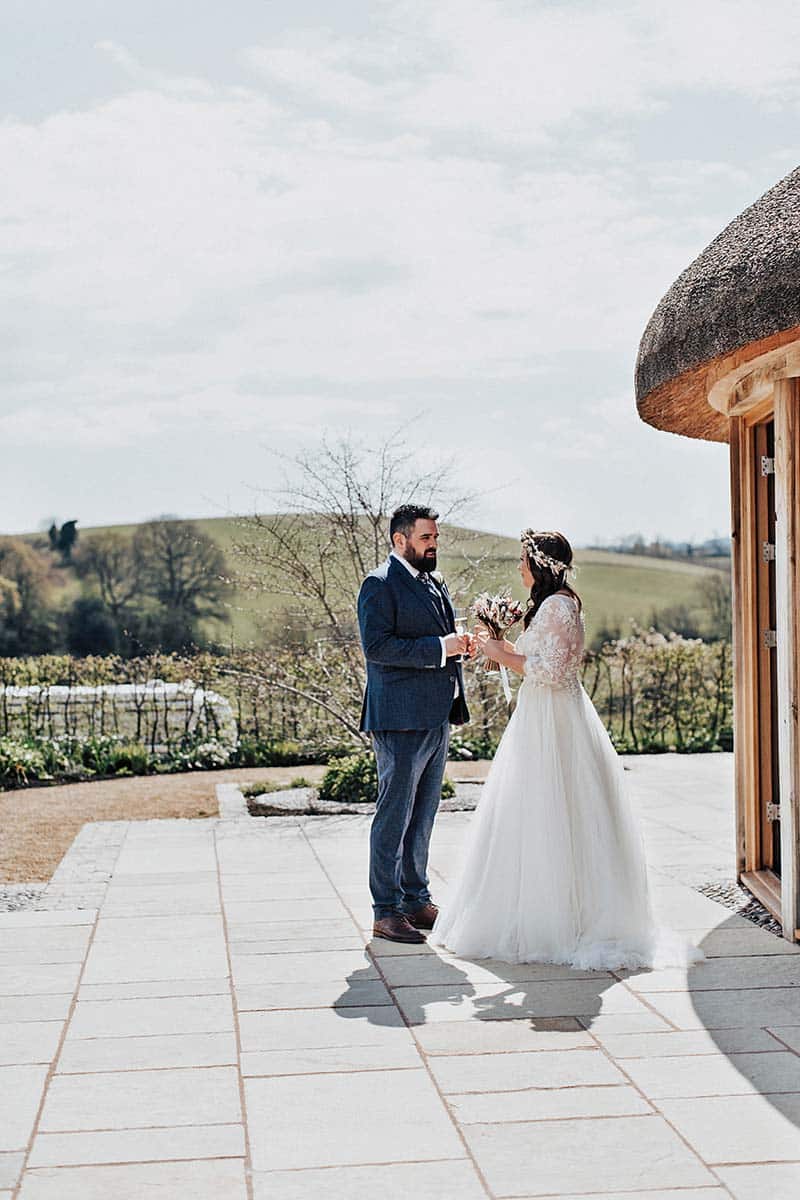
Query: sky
(226, 230)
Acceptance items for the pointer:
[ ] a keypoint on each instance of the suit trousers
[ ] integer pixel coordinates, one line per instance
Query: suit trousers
(411, 766)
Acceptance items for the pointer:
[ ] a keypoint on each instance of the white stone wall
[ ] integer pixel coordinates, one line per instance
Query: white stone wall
(154, 713)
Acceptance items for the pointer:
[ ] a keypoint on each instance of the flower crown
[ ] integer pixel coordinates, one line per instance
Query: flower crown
(544, 560)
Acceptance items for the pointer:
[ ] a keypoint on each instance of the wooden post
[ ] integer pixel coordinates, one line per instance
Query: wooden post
(746, 647)
(787, 498)
(741, 723)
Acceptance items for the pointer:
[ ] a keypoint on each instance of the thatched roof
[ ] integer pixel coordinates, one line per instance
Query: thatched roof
(739, 299)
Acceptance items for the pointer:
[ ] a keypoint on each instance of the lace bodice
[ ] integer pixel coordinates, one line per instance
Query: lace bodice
(553, 644)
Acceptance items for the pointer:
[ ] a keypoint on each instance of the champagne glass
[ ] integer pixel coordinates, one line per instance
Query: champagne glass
(461, 617)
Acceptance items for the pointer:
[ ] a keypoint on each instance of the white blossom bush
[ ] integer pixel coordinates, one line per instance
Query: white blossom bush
(659, 692)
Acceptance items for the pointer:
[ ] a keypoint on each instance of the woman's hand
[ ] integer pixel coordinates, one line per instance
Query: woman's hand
(474, 640)
(490, 647)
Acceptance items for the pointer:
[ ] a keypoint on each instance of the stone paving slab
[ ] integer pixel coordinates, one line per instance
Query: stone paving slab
(167, 1144)
(144, 989)
(139, 1098)
(200, 1012)
(21, 1089)
(210, 1180)
(547, 1104)
(14, 1009)
(390, 1181)
(330, 994)
(348, 1119)
(26, 1042)
(10, 1169)
(469, 1073)
(148, 1051)
(778, 1181)
(554, 1157)
(739, 1129)
(705, 1193)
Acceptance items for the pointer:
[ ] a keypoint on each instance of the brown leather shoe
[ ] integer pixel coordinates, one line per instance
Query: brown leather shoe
(396, 928)
(423, 918)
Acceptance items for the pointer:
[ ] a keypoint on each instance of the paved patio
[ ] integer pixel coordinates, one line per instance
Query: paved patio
(220, 1026)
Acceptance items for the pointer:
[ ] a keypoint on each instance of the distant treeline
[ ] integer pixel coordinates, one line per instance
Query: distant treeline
(635, 543)
(111, 593)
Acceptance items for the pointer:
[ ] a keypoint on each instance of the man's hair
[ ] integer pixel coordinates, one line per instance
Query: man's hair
(403, 518)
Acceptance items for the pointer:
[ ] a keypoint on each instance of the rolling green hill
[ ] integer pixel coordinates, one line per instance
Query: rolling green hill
(614, 587)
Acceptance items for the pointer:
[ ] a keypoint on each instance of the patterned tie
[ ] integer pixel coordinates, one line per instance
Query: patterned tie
(434, 593)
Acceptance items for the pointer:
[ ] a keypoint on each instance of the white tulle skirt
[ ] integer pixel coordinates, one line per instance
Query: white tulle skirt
(554, 867)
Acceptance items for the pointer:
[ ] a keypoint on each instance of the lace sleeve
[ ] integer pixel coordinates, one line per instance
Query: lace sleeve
(552, 644)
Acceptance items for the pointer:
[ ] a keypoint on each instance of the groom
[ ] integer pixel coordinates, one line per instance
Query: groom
(415, 690)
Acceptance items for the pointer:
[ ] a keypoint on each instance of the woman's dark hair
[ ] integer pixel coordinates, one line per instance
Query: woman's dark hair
(548, 556)
(403, 518)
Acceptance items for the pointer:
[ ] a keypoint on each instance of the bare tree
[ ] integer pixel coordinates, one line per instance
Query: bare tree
(716, 592)
(329, 528)
(109, 560)
(184, 571)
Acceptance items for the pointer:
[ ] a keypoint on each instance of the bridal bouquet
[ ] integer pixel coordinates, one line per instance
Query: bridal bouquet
(498, 613)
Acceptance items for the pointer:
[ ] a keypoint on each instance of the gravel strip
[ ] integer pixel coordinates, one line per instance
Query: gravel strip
(305, 802)
(17, 897)
(731, 895)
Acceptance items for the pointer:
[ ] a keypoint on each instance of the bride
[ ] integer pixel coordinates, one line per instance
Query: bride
(554, 867)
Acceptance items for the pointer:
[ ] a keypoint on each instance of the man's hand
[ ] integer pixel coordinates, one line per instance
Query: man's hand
(456, 643)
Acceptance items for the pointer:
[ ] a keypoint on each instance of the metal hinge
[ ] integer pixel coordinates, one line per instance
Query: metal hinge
(770, 638)
(767, 465)
(773, 811)
(768, 551)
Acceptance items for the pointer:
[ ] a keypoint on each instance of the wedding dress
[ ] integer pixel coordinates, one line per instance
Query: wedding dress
(554, 868)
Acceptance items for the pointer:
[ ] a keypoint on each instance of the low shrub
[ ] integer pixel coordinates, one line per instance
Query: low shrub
(351, 780)
(354, 780)
(266, 786)
(468, 747)
(129, 758)
(21, 763)
(249, 790)
(108, 756)
(192, 756)
(266, 752)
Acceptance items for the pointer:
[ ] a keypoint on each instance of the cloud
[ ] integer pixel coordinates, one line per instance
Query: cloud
(128, 62)
(133, 68)
(450, 210)
(499, 73)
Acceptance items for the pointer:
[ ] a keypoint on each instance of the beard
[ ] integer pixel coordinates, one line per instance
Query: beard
(421, 562)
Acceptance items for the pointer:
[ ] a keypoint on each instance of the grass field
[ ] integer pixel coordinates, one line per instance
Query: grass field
(614, 587)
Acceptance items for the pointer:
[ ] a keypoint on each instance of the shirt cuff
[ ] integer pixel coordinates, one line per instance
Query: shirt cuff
(444, 652)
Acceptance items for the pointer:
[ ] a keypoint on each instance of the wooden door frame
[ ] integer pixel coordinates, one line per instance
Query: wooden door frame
(765, 590)
(781, 897)
(787, 498)
(745, 649)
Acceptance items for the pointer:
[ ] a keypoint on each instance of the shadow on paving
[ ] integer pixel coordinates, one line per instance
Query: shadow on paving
(766, 999)
(549, 1003)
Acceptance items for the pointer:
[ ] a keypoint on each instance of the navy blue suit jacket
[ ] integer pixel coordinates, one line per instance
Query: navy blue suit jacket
(401, 624)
